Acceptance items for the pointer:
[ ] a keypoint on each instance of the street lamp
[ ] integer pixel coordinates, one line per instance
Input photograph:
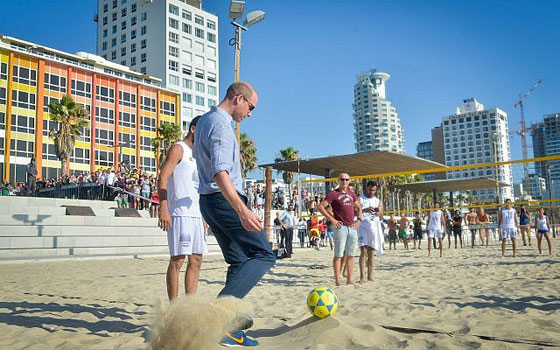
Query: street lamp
(495, 136)
(236, 8)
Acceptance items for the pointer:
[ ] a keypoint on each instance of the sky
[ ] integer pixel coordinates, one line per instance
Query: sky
(304, 57)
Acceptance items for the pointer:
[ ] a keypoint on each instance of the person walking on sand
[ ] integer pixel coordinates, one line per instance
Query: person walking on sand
(457, 227)
(436, 225)
(343, 202)
(223, 205)
(524, 224)
(417, 226)
(471, 219)
(403, 229)
(542, 226)
(370, 232)
(508, 224)
(180, 214)
(392, 224)
(483, 219)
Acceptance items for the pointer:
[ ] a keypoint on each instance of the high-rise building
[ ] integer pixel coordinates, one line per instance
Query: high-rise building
(377, 126)
(424, 150)
(476, 135)
(538, 188)
(546, 142)
(125, 107)
(174, 40)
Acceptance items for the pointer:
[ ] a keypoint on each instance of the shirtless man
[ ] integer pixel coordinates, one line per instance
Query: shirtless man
(403, 232)
(483, 219)
(470, 218)
(392, 231)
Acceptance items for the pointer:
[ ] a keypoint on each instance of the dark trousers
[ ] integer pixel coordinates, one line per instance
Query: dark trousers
(248, 254)
(283, 238)
(289, 233)
(302, 233)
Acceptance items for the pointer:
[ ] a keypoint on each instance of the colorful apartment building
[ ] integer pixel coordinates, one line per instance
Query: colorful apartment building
(125, 108)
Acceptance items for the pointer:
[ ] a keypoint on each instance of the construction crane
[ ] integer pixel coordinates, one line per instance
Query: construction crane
(523, 131)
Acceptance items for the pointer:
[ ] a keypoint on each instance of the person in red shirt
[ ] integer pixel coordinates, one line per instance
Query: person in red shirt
(343, 202)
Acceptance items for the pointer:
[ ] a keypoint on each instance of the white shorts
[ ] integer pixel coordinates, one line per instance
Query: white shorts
(509, 233)
(435, 233)
(186, 236)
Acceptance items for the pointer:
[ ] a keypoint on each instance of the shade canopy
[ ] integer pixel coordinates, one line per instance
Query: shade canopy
(451, 185)
(356, 164)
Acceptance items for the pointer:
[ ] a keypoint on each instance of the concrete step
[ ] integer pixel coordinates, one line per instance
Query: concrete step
(45, 231)
(81, 241)
(19, 201)
(64, 220)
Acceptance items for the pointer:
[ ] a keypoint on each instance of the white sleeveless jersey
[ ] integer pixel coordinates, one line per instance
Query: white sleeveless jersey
(508, 218)
(366, 203)
(541, 223)
(435, 219)
(182, 186)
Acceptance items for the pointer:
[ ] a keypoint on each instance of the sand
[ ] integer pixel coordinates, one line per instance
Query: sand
(470, 298)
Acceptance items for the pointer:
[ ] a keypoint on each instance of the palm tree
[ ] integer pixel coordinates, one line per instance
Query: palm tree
(287, 155)
(247, 154)
(167, 135)
(72, 119)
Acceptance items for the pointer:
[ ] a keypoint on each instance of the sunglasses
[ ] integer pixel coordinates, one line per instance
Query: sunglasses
(251, 106)
(343, 179)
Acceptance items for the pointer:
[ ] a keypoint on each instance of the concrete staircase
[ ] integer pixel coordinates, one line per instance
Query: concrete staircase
(38, 228)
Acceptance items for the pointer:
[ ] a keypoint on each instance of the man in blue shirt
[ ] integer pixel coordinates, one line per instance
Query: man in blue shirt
(223, 205)
(288, 222)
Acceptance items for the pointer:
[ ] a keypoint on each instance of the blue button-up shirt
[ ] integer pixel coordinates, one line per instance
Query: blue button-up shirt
(216, 149)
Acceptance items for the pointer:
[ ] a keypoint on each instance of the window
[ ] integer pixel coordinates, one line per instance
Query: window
(143, 57)
(211, 103)
(211, 25)
(173, 23)
(132, 47)
(24, 75)
(104, 115)
(133, 8)
(113, 42)
(81, 88)
(186, 15)
(133, 34)
(105, 20)
(187, 97)
(104, 158)
(114, 3)
(132, 61)
(167, 108)
(199, 74)
(127, 99)
(106, 94)
(114, 55)
(174, 37)
(123, 12)
(133, 21)
(174, 10)
(187, 28)
(143, 16)
(187, 70)
(113, 29)
(187, 83)
(199, 33)
(105, 7)
(212, 77)
(200, 100)
(200, 87)
(55, 83)
(173, 51)
(143, 30)
(199, 20)
(104, 46)
(212, 90)
(123, 38)
(143, 70)
(173, 80)
(79, 155)
(123, 25)
(21, 123)
(148, 123)
(148, 164)
(148, 104)
(174, 65)
(211, 37)
(128, 120)
(22, 148)
(3, 70)
(146, 143)
(123, 51)
(2, 96)
(143, 44)
(114, 16)
(105, 33)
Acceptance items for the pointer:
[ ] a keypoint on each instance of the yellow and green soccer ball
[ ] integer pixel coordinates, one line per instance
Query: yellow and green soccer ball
(322, 302)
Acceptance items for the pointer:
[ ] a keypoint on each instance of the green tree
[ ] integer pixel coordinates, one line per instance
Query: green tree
(247, 154)
(167, 135)
(71, 119)
(286, 155)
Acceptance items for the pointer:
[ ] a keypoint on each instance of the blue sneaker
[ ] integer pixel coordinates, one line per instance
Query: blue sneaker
(238, 339)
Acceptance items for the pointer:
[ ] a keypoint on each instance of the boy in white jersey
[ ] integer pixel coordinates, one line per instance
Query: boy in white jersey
(436, 225)
(180, 214)
(370, 232)
(508, 224)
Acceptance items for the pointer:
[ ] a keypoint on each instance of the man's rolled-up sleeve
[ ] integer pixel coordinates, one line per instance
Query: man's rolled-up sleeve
(221, 149)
